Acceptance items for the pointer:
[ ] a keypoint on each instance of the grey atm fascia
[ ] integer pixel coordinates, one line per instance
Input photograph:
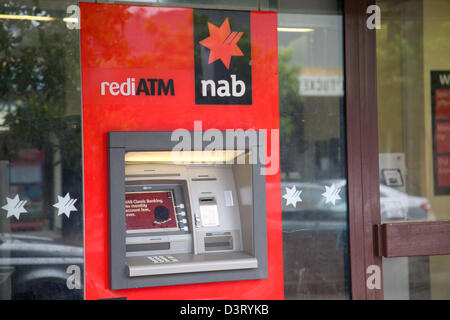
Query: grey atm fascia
(207, 266)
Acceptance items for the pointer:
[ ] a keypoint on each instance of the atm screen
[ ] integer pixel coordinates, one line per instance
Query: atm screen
(150, 211)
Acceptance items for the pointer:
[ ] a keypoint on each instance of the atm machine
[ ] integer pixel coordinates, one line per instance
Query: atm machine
(191, 216)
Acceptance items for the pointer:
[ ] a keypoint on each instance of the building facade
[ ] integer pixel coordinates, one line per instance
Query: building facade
(337, 110)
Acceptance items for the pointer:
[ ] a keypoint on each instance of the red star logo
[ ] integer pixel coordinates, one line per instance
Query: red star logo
(222, 43)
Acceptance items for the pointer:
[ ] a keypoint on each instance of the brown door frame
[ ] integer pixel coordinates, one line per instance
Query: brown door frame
(371, 240)
(362, 147)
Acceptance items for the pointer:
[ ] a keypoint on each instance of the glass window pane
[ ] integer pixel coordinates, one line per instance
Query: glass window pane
(41, 224)
(313, 154)
(207, 4)
(413, 96)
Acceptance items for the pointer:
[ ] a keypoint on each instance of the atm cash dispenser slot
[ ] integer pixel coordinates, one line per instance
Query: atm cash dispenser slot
(182, 223)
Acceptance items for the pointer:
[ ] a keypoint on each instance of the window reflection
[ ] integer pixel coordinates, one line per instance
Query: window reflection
(41, 234)
(410, 46)
(313, 163)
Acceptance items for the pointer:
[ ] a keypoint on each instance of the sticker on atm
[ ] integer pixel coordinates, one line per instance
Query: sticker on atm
(152, 211)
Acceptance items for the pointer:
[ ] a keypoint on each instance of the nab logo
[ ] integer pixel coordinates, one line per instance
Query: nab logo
(222, 57)
(222, 43)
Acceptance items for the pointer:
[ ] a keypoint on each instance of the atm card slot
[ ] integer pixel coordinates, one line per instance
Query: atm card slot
(148, 246)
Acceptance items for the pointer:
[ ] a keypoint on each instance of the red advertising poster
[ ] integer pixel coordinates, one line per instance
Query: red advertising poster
(443, 137)
(151, 211)
(440, 98)
(147, 68)
(442, 102)
(443, 163)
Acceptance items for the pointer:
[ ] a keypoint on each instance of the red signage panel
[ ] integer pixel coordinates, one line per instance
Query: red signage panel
(148, 69)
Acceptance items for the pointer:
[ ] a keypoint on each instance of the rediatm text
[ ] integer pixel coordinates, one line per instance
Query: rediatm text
(143, 86)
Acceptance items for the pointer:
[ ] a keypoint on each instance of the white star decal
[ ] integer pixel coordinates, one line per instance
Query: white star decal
(65, 205)
(292, 196)
(14, 207)
(331, 193)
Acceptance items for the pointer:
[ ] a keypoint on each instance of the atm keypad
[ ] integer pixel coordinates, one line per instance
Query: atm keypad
(162, 259)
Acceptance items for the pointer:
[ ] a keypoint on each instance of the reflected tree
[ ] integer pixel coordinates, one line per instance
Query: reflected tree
(291, 111)
(39, 92)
